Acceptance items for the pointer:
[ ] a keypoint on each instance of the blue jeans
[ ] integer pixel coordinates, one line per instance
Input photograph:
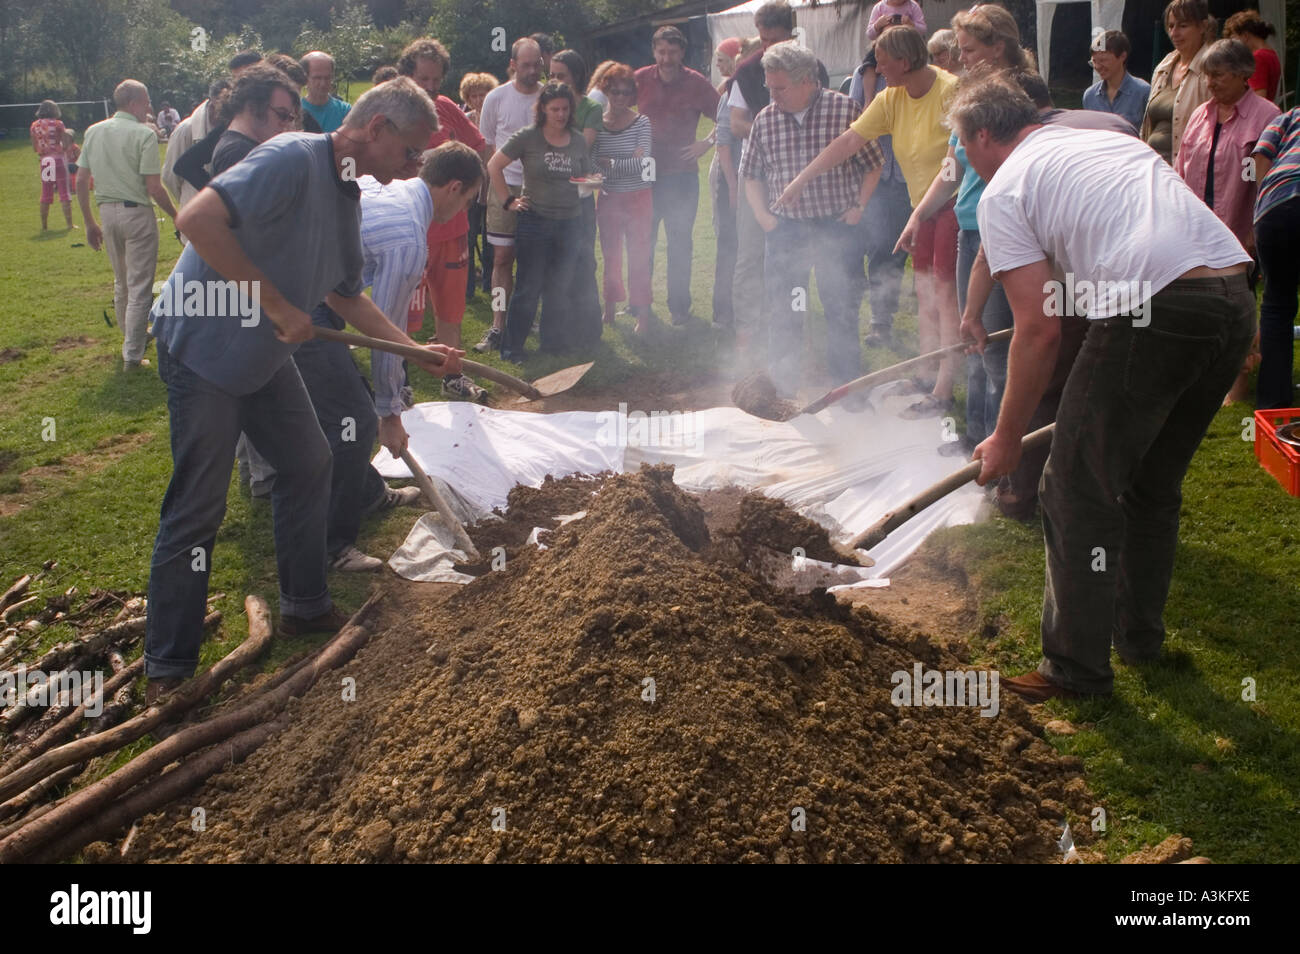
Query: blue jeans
(882, 223)
(346, 413)
(986, 374)
(676, 196)
(205, 426)
(546, 254)
(792, 251)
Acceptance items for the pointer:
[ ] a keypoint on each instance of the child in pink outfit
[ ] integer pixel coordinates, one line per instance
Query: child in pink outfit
(883, 15)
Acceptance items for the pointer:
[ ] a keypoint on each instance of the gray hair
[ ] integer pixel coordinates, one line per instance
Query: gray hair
(940, 40)
(795, 61)
(1229, 56)
(992, 103)
(399, 101)
(129, 91)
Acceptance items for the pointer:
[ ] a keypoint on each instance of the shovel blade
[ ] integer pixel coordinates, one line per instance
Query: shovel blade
(559, 381)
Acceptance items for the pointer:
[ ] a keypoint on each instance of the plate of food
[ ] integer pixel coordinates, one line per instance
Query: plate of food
(587, 185)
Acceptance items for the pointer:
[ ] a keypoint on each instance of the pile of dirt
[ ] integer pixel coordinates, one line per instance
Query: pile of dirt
(526, 509)
(621, 697)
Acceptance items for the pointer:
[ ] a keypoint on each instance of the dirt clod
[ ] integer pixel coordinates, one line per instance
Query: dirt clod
(756, 394)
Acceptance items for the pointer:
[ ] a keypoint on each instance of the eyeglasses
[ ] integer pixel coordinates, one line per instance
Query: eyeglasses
(412, 154)
(622, 91)
(284, 115)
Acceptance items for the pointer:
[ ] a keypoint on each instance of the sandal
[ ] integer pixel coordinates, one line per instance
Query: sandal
(928, 406)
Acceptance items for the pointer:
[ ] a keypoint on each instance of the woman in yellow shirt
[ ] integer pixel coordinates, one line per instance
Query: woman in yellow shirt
(912, 110)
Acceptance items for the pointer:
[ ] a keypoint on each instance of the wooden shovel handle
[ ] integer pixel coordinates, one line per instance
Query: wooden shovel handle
(423, 354)
(896, 518)
(891, 373)
(439, 503)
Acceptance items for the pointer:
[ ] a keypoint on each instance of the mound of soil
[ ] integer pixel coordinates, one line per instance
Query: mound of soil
(621, 697)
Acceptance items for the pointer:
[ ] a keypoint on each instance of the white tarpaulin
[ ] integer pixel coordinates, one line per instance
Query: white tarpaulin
(838, 37)
(841, 469)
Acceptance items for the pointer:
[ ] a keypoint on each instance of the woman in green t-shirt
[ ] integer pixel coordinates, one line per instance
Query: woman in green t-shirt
(585, 323)
(548, 234)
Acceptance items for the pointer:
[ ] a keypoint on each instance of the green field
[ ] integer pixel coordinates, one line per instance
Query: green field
(1176, 750)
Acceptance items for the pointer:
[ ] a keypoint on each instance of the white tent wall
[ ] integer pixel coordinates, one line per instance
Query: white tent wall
(1109, 15)
(838, 38)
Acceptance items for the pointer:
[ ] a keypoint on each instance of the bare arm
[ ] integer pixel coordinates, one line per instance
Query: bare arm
(741, 122)
(153, 185)
(1034, 346)
(756, 193)
(977, 297)
(943, 188)
(364, 315)
(497, 175)
(205, 221)
(94, 235)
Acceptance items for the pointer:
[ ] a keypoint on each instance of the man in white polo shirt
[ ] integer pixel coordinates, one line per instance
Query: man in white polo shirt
(1095, 223)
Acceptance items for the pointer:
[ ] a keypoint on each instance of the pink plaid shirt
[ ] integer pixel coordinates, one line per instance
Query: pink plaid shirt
(779, 147)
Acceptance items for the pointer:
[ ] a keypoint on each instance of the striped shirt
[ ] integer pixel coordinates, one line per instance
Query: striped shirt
(781, 144)
(627, 147)
(395, 221)
(1280, 144)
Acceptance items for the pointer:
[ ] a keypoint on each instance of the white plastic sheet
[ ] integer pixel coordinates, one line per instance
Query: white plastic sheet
(843, 470)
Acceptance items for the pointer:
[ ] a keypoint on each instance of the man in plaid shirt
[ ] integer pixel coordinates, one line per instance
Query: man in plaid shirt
(818, 231)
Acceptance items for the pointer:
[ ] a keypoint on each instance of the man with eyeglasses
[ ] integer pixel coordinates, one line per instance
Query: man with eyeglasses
(1118, 91)
(269, 238)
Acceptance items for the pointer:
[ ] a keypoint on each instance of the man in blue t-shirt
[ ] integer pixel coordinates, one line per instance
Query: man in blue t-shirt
(270, 239)
(327, 109)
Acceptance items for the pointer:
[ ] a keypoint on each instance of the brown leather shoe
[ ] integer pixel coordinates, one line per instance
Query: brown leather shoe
(1034, 688)
(155, 689)
(330, 622)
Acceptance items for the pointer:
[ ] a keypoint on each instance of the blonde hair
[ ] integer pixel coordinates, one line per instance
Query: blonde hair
(472, 83)
(990, 25)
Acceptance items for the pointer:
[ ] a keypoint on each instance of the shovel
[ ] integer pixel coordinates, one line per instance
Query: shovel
(543, 387)
(891, 521)
(439, 503)
(757, 394)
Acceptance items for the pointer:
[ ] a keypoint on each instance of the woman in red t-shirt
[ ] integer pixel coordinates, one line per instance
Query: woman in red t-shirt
(48, 136)
(1249, 28)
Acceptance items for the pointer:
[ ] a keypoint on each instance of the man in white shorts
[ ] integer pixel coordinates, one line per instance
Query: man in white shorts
(506, 110)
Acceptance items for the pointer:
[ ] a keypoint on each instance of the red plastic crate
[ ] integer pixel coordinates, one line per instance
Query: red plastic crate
(1278, 458)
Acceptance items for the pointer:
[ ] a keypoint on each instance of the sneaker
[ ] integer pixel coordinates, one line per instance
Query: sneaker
(328, 622)
(962, 447)
(135, 365)
(352, 560)
(684, 320)
(398, 497)
(460, 388)
(407, 396)
(490, 341)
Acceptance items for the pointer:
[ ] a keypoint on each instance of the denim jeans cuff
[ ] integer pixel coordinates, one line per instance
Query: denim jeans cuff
(305, 608)
(158, 667)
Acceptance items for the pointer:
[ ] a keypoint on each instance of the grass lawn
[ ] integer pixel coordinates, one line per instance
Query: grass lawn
(1176, 750)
